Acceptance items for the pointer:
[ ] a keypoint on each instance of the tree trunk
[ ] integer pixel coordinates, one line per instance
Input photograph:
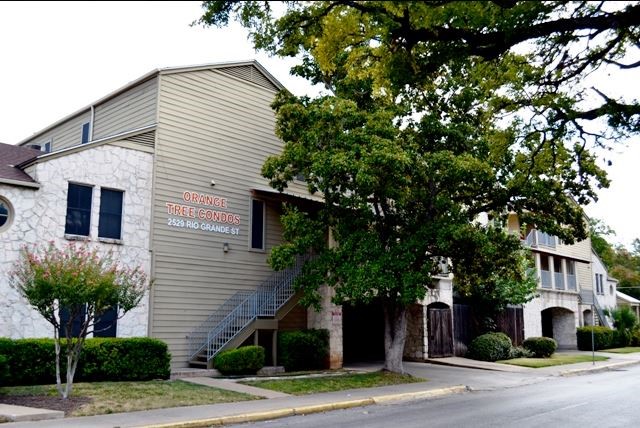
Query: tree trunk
(395, 333)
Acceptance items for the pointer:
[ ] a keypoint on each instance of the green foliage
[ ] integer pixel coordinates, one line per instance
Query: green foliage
(122, 359)
(490, 347)
(603, 338)
(304, 349)
(244, 360)
(4, 369)
(81, 281)
(520, 352)
(432, 118)
(541, 347)
(32, 361)
(635, 338)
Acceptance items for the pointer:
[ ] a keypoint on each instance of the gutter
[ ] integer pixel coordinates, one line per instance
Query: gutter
(32, 185)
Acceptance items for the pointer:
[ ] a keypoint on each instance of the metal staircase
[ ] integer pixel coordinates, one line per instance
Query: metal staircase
(586, 297)
(238, 317)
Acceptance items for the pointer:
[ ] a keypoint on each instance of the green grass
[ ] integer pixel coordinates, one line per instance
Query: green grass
(314, 385)
(116, 397)
(627, 350)
(554, 360)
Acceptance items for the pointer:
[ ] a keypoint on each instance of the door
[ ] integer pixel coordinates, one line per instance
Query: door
(440, 333)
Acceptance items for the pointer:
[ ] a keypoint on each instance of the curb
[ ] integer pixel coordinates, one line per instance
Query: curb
(598, 369)
(313, 408)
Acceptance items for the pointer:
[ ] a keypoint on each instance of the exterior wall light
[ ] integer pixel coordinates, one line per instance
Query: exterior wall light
(225, 247)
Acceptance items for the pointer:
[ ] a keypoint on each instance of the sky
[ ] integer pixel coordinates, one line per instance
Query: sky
(59, 57)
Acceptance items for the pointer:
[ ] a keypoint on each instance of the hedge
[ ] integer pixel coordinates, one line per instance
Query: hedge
(541, 347)
(303, 349)
(4, 369)
(603, 338)
(490, 347)
(244, 360)
(32, 361)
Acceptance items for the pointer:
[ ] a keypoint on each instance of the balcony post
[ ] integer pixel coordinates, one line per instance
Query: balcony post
(552, 271)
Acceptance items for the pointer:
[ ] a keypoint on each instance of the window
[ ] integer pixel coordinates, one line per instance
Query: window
(6, 214)
(106, 323)
(257, 224)
(110, 223)
(85, 133)
(46, 147)
(78, 313)
(78, 210)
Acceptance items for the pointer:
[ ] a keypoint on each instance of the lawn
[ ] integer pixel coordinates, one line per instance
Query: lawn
(314, 385)
(554, 360)
(114, 397)
(627, 350)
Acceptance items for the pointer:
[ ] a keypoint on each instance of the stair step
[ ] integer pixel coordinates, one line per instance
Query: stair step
(198, 363)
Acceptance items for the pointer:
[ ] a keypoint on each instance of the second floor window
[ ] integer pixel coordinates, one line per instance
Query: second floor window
(85, 132)
(110, 223)
(78, 210)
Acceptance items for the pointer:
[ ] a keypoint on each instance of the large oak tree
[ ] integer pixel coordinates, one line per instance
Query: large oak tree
(436, 113)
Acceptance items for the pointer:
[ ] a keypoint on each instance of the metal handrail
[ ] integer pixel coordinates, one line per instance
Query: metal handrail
(242, 309)
(600, 312)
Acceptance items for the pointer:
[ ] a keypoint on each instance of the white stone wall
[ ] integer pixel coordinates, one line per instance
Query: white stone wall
(564, 324)
(40, 216)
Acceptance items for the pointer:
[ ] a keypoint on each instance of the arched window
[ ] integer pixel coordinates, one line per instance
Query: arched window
(6, 214)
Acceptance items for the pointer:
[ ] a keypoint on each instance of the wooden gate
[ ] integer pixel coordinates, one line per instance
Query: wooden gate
(440, 333)
(463, 328)
(511, 323)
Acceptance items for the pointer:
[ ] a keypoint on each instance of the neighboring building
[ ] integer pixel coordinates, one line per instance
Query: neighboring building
(626, 300)
(165, 172)
(604, 289)
(564, 275)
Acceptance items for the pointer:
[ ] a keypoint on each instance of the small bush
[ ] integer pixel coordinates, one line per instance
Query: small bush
(32, 361)
(520, 352)
(245, 360)
(541, 347)
(490, 347)
(635, 338)
(621, 338)
(303, 349)
(603, 338)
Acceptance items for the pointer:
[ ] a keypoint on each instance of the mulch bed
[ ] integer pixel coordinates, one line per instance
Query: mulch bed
(46, 402)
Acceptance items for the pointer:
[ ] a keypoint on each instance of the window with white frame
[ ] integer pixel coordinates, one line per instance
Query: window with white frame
(110, 220)
(6, 214)
(78, 220)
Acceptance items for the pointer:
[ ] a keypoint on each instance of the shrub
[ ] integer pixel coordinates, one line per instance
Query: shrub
(635, 338)
(541, 347)
(621, 338)
(245, 360)
(32, 361)
(303, 349)
(602, 336)
(4, 369)
(490, 347)
(520, 352)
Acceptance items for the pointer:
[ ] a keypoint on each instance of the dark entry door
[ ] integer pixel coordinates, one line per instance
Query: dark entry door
(440, 333)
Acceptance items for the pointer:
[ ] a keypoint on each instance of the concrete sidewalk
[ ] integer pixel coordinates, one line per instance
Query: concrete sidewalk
(466, 375)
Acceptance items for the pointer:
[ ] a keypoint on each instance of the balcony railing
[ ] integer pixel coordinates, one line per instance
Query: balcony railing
(559, 280)
(571, 282)
(536, 238)
(545, 278)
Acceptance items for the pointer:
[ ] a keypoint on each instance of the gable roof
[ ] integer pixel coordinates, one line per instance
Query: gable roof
(240, 69)
(14, 155)
(627, 298)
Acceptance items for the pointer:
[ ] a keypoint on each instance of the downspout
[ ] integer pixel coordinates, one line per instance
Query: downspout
(93, 115)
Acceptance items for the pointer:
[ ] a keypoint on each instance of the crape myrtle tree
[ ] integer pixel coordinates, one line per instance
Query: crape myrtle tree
(81, 282)
(434, 114)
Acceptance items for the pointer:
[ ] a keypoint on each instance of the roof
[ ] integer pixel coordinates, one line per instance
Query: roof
(151, 75)
(627, 298)
(14, 155)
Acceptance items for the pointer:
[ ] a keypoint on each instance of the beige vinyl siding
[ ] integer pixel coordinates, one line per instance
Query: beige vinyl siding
(67, 134)
(212, 126)
(132, 109)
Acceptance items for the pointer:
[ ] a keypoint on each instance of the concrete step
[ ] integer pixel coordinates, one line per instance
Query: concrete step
(21, 413)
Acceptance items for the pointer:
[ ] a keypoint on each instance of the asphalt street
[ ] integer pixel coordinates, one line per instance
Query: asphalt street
(606, 399)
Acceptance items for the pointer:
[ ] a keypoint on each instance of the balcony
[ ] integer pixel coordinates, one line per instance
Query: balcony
(559, 280)
(545, 278)
(572, 284)
(536, 238)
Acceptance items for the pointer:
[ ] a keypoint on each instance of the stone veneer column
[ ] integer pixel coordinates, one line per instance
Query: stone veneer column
(330, 318)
